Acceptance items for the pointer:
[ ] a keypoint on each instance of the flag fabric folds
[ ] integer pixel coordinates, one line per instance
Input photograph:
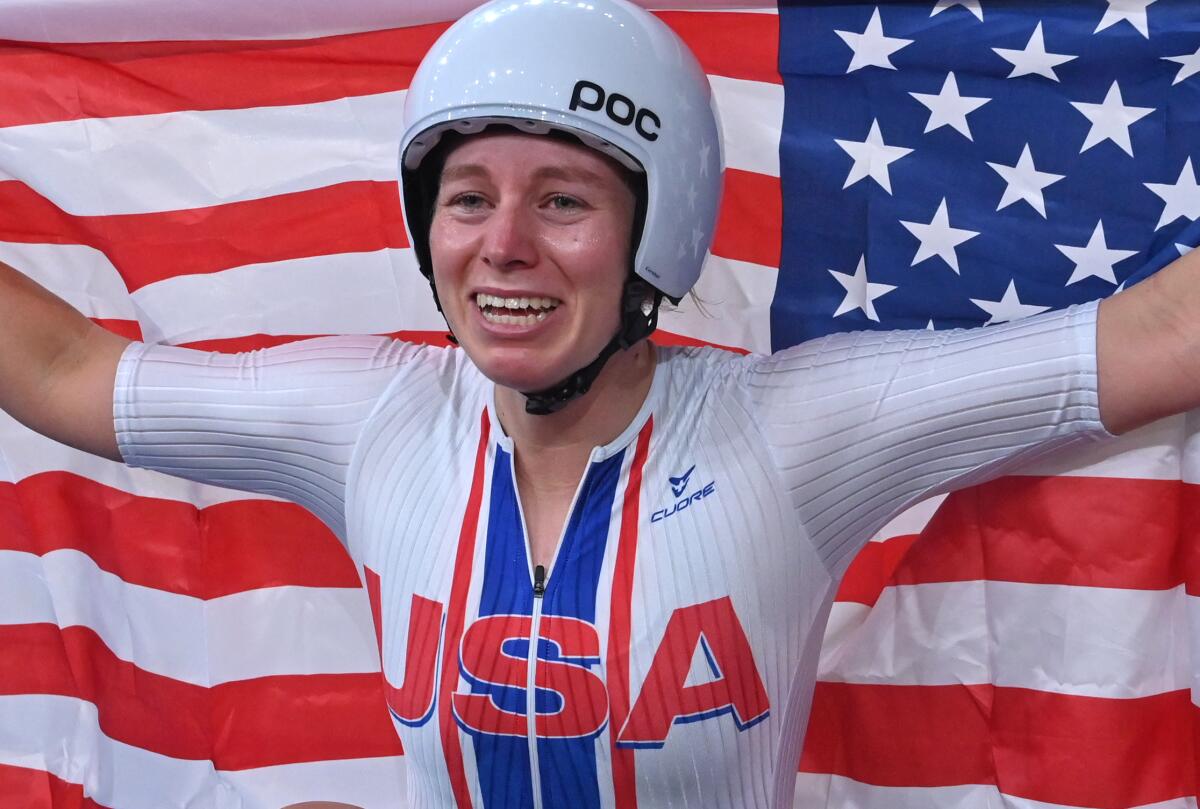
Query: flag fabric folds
(223, 177)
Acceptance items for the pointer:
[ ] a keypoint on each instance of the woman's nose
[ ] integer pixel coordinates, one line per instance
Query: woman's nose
(509, 241)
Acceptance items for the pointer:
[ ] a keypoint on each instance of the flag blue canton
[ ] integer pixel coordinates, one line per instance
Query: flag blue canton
(970, 161)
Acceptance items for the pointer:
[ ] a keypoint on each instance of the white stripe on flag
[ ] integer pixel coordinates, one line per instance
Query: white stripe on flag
(80, 275)
(179, 160)
(737, 296)
(1121, 643)
(61, 735)
(194, 159)
(259, 633)
(343, 293)
(815, 790)
(751, 121)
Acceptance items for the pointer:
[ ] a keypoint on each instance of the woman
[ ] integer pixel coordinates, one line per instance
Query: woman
(599, 570)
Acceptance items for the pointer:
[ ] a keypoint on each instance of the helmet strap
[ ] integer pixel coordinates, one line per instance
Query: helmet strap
(639, 319)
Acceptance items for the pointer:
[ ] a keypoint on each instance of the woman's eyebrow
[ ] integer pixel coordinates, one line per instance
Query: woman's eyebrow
(462, 172)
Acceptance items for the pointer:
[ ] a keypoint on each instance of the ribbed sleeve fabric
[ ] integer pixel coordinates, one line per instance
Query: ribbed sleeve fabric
(863, 425)
(282, 421)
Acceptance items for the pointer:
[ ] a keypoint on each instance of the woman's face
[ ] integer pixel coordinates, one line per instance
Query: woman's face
(530, 244)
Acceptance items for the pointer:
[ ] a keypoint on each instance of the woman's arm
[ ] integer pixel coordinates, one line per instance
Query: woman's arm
(1148, 347)
(56, 367)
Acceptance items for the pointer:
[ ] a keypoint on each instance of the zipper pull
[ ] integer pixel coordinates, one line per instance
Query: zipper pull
(539, 581)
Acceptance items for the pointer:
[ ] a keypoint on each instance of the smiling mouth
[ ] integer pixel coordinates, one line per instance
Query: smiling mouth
(514, 311)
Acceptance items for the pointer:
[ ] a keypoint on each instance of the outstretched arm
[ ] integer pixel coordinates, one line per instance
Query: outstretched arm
(1148, 347)
(56, 367)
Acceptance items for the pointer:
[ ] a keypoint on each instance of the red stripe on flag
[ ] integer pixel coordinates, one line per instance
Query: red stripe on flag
(1058, 530)
(619, 627)
(1078, 751)
(351, 217)
(48, 82)
(872, 570)
(729, 43)
(129, 329)
(455, 619)
(42, 83)
(750, 224)
(173, 546)
(666, 338)
(38, 789)
(253, 342)
(239, 725)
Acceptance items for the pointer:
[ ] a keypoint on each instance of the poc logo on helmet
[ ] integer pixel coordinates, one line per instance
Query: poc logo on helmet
(621, 109)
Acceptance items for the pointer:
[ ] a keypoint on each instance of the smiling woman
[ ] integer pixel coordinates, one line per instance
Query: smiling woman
(599, 570)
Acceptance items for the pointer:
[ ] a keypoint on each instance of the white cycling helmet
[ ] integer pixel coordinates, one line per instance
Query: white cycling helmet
(605, 71)
(608, 74)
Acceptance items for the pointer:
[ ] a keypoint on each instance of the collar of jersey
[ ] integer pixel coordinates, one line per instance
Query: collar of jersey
(627, 436)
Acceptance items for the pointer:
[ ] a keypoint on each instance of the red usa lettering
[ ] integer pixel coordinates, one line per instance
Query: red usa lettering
(573, 699)
(567, 648)
(666, 700)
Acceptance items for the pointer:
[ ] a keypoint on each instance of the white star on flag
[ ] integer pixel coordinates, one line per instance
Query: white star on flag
(1132, 11)
(938, 238)
(1035, 59)
(1025, 182)
(948, 108)
(860, 293)
(1184, 249)
(872, 158)
(1111, 120)
(1182, 198)
(872, 48)
(1191, 65)
(1008, 308)
(972, 6)
(1095, 259)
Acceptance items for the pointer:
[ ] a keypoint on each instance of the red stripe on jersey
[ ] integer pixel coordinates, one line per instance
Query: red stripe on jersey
(455, 618)
(624, 774)
(38, 789)
(170, 545)
(351, 217)
(1054, 748)
(259, 722)
(750, 224)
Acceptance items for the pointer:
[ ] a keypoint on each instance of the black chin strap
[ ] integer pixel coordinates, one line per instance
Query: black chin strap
(636, 324)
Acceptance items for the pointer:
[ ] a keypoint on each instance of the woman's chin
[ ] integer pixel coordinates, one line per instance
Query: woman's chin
(525, 375)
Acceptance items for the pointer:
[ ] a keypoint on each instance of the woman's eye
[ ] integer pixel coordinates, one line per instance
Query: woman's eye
(562, 202)
(467, 200)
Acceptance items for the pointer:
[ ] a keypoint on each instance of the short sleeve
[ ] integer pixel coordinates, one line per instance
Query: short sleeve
(281, 421)
(864, 425)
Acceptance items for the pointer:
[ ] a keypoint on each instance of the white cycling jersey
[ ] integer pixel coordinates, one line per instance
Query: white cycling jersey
(668, 655)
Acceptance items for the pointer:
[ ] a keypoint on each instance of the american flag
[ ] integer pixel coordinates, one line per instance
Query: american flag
(222, 176)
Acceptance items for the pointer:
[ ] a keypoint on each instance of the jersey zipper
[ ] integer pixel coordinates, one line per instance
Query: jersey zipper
(539, 590)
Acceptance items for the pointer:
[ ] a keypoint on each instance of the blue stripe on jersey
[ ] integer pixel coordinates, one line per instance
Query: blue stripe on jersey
(568, 766)
(505, 778)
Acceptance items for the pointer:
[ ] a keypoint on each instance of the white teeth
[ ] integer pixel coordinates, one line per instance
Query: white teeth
(513, 320)
(485, 301)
